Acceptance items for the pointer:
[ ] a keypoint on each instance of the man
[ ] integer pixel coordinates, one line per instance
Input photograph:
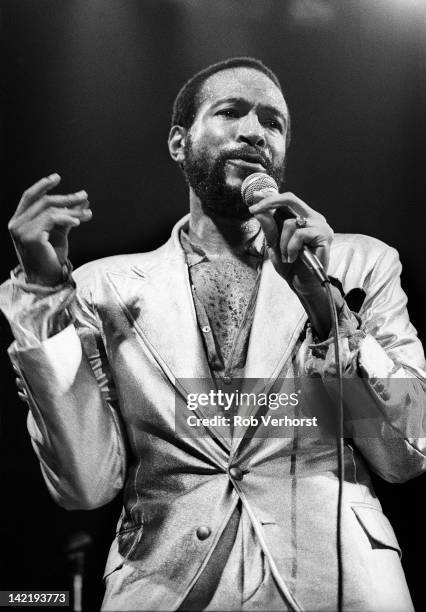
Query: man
(233, 521)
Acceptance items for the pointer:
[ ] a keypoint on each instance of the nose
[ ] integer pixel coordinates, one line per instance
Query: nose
(251, 131)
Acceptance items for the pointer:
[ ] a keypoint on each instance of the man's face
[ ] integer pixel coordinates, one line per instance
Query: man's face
(240, 128)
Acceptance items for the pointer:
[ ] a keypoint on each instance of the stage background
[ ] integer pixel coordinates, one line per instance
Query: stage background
(87, 92)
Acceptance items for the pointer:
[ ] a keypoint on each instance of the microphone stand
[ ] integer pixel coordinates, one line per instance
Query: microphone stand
(76, 551)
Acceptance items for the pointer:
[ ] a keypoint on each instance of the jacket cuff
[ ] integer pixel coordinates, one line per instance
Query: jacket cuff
(36, 312)
(321, 359)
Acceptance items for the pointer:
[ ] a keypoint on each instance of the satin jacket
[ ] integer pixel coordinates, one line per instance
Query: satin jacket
(107, 392)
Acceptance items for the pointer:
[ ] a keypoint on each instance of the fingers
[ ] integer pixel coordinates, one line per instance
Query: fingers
(288, 229)
(61, 217)
(317, 237)
(75, 205)
(35, 199)
(287, 200)
(269, 228)
(296, 241)
(72, 200)
(293, 238)
(38, 190)
(271, 232)
(22, 393)
(272, 209)
(37, 229)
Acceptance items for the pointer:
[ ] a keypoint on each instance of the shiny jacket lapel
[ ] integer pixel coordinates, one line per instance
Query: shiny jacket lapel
(163, 314)
(279, 318)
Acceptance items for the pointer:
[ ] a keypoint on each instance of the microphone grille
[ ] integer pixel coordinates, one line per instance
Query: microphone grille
(256, 182)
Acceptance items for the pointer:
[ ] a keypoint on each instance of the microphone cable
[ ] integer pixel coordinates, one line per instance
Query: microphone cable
(261, 181)
(316, 267)
(340, 444)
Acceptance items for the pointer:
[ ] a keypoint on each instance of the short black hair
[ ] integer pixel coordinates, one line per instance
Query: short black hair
(185, 105)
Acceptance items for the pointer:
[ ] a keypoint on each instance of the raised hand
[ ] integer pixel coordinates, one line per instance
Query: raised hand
(40, 228)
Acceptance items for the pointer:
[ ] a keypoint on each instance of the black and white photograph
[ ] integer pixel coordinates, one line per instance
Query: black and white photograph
(212, 305)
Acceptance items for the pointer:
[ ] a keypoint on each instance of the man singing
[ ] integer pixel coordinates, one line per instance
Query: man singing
(236, 521)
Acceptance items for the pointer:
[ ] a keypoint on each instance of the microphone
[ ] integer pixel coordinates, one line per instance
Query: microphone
(259, 181)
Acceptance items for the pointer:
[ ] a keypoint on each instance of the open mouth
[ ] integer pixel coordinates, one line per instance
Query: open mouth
(251, 162)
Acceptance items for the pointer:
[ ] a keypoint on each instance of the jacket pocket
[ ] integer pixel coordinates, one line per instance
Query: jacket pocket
(376, 527)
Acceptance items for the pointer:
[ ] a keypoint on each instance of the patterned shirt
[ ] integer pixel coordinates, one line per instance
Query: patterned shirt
(224, 290)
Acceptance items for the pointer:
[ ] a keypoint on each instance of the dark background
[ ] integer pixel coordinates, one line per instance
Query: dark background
(87, 92)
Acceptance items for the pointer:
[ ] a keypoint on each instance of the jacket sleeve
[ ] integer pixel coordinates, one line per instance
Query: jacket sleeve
(73, 420)
(384, 375)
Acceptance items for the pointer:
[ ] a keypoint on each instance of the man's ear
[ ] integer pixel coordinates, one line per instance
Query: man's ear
(177, 139)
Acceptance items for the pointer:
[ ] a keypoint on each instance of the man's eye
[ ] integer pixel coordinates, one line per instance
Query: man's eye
(231, 113)
(273, 124)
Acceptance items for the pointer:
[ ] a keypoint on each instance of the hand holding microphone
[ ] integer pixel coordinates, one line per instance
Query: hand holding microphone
(297, 236)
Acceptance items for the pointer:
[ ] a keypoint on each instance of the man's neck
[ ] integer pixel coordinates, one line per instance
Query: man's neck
(220, 236)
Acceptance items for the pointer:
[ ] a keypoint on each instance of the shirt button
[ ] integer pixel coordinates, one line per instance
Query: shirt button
(205, 329)
(227, 379)
(236, 473)
(203, 532)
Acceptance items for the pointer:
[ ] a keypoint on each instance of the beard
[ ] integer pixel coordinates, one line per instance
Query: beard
(207, 178)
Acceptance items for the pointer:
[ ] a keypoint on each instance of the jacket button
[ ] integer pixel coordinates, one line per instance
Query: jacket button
(203, 533)
(236, 473)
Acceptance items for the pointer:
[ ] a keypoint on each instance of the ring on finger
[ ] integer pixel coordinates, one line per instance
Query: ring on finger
(301, 222)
